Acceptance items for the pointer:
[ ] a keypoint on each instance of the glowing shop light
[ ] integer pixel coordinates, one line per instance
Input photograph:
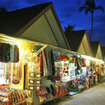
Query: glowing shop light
(92, 59)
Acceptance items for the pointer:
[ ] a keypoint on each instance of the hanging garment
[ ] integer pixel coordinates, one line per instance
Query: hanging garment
(78, 63)
(84, 62)
(48, 59)
(15, 75)
(45, 69)
(3, 50)
(20, 70)
(16, 53)
(12, 53)
(7, 55)
(41, 64)
(76, 71)
(53, 90)
(52, 63)
(56, 54)
(9, 71)
(5, 71)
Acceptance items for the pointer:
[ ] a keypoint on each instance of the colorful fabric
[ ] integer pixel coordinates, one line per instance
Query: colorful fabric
(9, 52)
(41, 64)
(14, 53)
(45, 68)
(76, 71)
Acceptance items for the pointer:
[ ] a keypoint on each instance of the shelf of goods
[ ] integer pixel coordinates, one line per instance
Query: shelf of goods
(61, 90)
(15, 97)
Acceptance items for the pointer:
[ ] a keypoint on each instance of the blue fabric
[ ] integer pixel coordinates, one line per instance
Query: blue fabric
(72, 93)
(76, 71)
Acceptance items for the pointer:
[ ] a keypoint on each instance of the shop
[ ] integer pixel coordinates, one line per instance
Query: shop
(68, 66)
(95, 69)
(33, 73)
(27, 72)
(13, 59)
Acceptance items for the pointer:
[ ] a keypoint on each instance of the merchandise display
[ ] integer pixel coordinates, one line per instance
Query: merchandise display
(13, 97)
(61, 89)
(44, 94)
(9, 53)
(33, 73)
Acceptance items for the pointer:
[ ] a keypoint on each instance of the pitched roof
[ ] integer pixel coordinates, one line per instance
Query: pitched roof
(12, 22)
(15, 23)
(94, 45)
(75, 38)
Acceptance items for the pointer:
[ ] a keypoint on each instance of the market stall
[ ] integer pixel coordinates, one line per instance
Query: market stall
(33, 73)
(25, 72)
(95, 69)
(12, 71)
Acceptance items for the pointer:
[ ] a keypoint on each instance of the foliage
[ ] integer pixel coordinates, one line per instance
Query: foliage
(69, 28)
(90, 7)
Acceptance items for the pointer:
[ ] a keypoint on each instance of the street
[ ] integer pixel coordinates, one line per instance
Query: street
(92, 96)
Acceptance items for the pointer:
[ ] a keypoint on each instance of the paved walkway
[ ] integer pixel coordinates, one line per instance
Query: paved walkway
(92, 96)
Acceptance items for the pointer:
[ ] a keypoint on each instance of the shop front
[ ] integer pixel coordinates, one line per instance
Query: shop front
(13, 63)
(33, 73)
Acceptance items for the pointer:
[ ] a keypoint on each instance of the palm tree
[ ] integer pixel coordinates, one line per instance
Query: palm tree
(90, 6)
(69, 28)
(3, 10)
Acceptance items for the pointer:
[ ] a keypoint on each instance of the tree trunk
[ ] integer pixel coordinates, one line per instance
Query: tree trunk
(91, 32)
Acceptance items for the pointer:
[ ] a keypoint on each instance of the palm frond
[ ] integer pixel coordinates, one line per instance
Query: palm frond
(87, 10)
(82, 8)
(99, 8)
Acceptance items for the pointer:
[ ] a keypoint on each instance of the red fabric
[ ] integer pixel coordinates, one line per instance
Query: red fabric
(60, 58)
(20, 70)
(75, 81)
(41, 64)
(84, 62)
(17, 51)
(64, 59)
(74, 60)
(20, 95)
(57, 77)
(78, 79)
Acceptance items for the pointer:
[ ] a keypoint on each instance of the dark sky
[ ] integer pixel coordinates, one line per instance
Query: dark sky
(67, 11)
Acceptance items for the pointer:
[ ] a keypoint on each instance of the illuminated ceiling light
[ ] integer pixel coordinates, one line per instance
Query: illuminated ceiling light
(92, 59)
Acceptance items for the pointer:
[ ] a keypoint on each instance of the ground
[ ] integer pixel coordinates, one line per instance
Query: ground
(92, 96)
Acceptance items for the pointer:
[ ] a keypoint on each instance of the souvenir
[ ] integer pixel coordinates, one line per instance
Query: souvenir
(16, 79)
(31, 87)
(31, 81)
(31, 74)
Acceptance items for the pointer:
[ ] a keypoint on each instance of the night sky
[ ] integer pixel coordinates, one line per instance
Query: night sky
(67, 12)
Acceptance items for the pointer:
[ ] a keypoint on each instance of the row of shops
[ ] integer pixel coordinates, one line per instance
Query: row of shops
(33, 73)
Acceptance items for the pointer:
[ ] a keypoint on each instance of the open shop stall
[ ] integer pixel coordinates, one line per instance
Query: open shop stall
(27, 76)
(95, 69)
(13, 61)
(33, 73)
